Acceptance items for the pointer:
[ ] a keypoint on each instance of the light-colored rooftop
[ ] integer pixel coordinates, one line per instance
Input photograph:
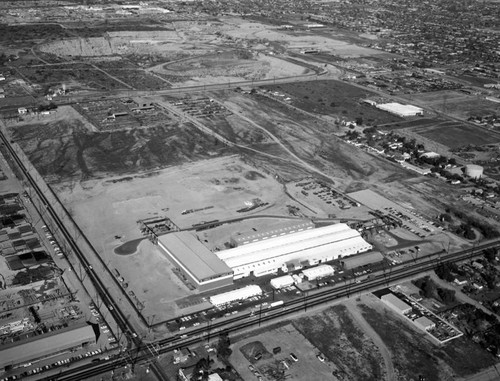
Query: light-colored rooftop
(193, 255)
(339, 236)
(400, 109)
(44, 345)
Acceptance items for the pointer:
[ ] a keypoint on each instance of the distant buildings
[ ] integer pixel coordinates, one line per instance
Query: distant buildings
(400, 109)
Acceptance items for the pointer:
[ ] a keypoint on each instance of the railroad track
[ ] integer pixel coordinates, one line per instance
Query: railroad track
(143, 353)
(249, 319)
(100, 287)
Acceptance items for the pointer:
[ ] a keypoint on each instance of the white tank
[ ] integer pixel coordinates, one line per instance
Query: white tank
(474, 171)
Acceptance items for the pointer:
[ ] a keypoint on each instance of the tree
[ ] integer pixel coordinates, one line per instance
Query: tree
(201, 370)
(443, 271)
(446, 295)
(223, 350)
(490, 254)
(429, 288)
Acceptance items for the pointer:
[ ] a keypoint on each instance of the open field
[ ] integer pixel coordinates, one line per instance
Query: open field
(76, 76)
(313, 140)
(67, 149)
(335, 98)
(455, 134)
(414, 354)
(455, 103)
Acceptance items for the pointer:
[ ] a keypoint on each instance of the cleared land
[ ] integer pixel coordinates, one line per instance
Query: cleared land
(67, 149)
(350, 354)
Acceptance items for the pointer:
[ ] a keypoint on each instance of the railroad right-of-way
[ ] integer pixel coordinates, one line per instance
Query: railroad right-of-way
(308, 300)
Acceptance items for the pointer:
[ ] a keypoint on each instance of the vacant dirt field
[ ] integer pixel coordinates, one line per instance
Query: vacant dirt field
(352, 354)
(313, 140)
(67, 149)
(291, 340)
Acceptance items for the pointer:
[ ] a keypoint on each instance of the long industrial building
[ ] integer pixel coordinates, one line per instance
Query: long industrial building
(202, 267)
(43, 346)
(312, 246)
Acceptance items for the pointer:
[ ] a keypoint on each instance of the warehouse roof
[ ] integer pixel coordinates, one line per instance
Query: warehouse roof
(424, 322)
(44, 345)
(318, 271)
(238, 294)
(395, 302)
(193, 255)
(400, 109)
(318, 238)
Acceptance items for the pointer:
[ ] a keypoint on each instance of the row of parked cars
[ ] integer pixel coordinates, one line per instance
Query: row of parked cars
(52, 241)
(50, 366)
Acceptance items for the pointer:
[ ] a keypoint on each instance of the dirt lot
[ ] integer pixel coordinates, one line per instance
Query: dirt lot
(66, 149)
(350, 354)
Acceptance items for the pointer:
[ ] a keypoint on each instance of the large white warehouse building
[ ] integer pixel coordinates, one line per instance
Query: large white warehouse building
(314, 246)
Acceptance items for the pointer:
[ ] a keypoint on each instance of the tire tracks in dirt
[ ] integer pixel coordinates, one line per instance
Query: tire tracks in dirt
(353, 308)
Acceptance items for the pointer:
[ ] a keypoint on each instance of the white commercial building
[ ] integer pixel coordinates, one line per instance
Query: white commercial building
(312, 246)
(282, 282)
(234, 295)
(396, 304)
(400, 109)
(318, 272)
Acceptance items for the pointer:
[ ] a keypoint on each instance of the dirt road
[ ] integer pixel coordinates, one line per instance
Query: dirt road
(352, 306)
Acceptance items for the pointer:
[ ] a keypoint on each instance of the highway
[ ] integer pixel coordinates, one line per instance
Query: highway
(93, 96)
(307, 300)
